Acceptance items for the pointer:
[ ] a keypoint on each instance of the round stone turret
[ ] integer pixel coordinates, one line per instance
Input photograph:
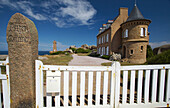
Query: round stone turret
(135, 37)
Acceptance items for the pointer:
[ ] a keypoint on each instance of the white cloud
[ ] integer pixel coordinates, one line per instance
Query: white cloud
(36, 16)
(63, 13)
(157, 44)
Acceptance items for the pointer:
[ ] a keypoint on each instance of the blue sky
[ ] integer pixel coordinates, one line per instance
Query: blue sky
(76, 22)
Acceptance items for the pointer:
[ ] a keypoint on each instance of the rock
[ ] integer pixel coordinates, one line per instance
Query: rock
(42, 58)
(161, 49)
(85, 46)
(67, 49)
(115, 57)
(92, 47)
(22, 38)
(72, 46)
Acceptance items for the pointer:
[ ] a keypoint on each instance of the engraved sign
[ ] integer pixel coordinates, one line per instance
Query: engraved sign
(22, 38)
(17, 30)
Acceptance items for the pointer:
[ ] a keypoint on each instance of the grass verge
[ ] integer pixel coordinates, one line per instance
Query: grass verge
(57, 59)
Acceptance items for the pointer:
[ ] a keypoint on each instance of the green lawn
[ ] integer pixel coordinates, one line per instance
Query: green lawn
(122, 64)
(83, 54)
(3, 70)
(57, 59)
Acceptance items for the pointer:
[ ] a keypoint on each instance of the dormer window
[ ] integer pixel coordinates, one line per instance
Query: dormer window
(143, 32)
(126, 33)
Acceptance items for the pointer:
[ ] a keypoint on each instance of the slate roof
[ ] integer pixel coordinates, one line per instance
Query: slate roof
(135, 14)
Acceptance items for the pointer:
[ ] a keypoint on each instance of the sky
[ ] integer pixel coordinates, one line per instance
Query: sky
(77, 22)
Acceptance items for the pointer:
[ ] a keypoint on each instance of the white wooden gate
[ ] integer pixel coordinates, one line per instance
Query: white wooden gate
(5, 84)
(81, 76)
(102, 86)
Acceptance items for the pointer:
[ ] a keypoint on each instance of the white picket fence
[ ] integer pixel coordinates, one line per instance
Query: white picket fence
(152, 86)
(5, 82)
(119, 86)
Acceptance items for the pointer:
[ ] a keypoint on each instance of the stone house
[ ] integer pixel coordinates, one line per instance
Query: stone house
(126, 35)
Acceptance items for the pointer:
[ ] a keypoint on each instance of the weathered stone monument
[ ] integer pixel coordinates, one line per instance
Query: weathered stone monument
(22, 38)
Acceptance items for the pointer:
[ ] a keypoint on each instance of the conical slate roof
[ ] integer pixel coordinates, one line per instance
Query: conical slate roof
(135, 14)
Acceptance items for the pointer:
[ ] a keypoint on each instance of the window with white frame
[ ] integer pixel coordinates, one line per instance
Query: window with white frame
(102, 39)
(103, 50)
(146, 32)
(99, 40)
(126, 33)
(107, 38)
(107, 50)
(99, 50)
(143, 32)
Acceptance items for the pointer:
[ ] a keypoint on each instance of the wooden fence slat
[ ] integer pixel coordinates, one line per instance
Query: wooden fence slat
(49, 100)
(66, 88)
(162, 85)
(74, 88)
(57, 100)
(117, 86)
(0, 97)
(154, 85)
(57, 95)
(90, 88)
(105, 88)
(125, 79)
(132, 86)
(147, 82)
(98, 81)
(6, 98)
(82, 88)
(39, 83)
(139, 91)
(168, 87)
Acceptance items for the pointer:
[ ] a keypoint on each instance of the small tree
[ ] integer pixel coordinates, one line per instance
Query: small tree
(149, 52)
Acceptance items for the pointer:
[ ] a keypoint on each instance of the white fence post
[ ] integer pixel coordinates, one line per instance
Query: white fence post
(117, 83)
(168, 88)
(112, 85)
(8, 77)
(39, 83)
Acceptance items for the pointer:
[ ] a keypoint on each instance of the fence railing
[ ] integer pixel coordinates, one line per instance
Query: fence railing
(79, 83)
(148, 86)
(5, 84)
(102, 86)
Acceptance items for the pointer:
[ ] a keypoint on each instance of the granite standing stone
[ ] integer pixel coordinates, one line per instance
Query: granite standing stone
(22, 38)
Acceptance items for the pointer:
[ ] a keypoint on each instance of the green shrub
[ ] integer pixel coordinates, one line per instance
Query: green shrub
(163, 58)
(149, 52)
(106, 57)
(58, 52)
(81, 50)
(73, 49)
(94, 55)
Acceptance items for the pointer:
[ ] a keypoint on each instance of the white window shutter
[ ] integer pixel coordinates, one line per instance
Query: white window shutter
(141, 32)
(146, 31)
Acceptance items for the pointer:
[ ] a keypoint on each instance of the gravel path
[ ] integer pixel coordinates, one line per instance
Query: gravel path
(86, 61)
